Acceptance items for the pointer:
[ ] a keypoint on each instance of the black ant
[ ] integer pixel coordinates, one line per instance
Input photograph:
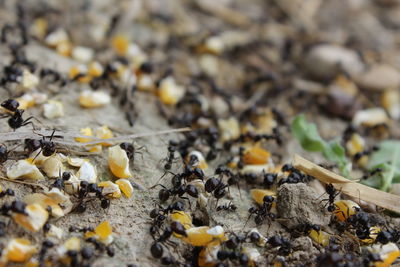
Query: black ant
(366, 152)
(3, 153)
(15, 120)
(32, 145)
(59, 182)
(264, 211)
(305, 228)
(283, 244)
(217, 187)
(171, 155)
(227, 207)
(7, 192)
(269, 179)
(372, 173)
(332, 193)
(164, 194)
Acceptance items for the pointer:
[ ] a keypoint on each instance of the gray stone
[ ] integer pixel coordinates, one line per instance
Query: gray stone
(299, 203)
(324, 61)
(379, 77)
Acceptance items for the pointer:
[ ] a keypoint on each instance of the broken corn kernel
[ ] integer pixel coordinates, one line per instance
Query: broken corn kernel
(19, 250)
(355, 144)
(76, 162)
(73, 244)
(229, 129)
(95, 69)
(53, 109)
(169, 92)
(389, 258)
(259, 194)
(104, 132)
(87, 172)
(121, 44)
(208, 255)
(110, 189)
(203, 235)
(24, 169)
(34, 220)
(81, 71)
(29, 80)
(87, 132)
(82, 53)
(45, 201)
(182, 217)
(373, 233)
(53, 166)
(55, 231)
(103, 232)
(125, 186)
(256, 155)
(118, 162)
(391, 102)
(320, 237)
(199, 159)
(345, 208)
(94, 99)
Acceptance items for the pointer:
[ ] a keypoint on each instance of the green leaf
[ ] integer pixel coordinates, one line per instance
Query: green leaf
(310, 140)
(388, 158)
(307, 134)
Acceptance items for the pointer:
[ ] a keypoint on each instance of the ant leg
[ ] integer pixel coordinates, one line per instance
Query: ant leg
(40, 151)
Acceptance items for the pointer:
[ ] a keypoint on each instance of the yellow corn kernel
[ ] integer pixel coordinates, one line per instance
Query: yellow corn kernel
(259, 194)
(45, 201)
(95, 149)
(103, 232)
(373, 233)
(256, 155)
(53, 166)
(104, 132)
(389, 259)
(87, 132)
(182, 217)
(19, 250)
(40, 26)
(169, 92)
(121, 44)
(345, 208)
(110, 189)
(355, 144)
(32, 263)
(95, 69)
(125, 186)
(320, 237)
(118, 162)
(34, 220)
(1, 189)
(79, 70)
(203, 235)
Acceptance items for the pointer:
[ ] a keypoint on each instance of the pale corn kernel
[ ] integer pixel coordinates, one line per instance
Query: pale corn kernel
(56, 37)
(94, 148)
(256, 156)
(104, 132)
(110, 189)
(64, 48)
(145, 82)
(19, 250)
(121, 44)
(55, 232)
(87, 172)
(37, 158)
(76, 162)
(87, 132)
(34, 220)
(29, 80)
(391, 102)
(169, 92)
(345, 208)
(257, 169)
(259, 194)
(95, 69)
(57, 195)
(73, 243)
(39, 27)
(229, 129)
(82, 54)
(198, 158)
(118, 162)
(45, 201)
(94, 99)
(53, 166)
(370, 117)
(24, 169)
(53, 109)
(214, 45)
(125, 186)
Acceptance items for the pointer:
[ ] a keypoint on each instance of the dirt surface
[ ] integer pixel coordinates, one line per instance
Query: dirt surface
(281, 57)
